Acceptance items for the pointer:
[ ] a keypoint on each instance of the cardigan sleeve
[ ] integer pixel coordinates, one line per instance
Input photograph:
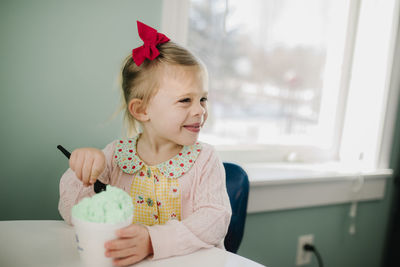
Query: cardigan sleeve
(206, 226)
(72, 189)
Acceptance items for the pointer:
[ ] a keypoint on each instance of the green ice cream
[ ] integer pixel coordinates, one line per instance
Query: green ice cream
(111, 206)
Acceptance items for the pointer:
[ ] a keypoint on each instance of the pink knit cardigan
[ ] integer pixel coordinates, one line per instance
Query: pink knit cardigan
(206, 210)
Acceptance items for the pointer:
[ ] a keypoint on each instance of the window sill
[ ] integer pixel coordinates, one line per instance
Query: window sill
(290, 186)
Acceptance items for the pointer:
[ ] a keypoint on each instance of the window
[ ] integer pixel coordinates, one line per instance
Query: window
(285, 75)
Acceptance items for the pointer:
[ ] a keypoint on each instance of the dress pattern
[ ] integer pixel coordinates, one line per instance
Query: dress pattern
(155, 189)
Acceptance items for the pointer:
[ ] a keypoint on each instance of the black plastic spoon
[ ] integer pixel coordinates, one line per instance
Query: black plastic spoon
(98, 186)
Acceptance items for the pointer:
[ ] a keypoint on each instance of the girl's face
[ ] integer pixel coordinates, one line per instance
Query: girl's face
(178, 111)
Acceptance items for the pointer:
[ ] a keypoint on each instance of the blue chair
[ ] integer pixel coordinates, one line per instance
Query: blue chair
(237, 184)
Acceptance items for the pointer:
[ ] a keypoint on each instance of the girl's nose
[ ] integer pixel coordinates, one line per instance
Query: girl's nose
(198, 109)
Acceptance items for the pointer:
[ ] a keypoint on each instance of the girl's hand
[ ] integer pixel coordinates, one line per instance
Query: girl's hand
(88, 164)
(133, 245)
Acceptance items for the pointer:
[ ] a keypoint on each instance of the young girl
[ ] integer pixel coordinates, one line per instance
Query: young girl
(177, 184)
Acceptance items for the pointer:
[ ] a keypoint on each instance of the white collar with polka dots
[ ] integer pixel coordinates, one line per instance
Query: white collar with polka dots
(127, 159)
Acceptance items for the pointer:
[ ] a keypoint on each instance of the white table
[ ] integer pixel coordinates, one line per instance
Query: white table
(52, 243)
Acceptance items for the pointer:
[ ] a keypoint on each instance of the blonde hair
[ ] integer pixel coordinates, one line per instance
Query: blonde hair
(142, 81)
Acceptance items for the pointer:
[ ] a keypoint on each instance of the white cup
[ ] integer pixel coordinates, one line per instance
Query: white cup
(91, 237)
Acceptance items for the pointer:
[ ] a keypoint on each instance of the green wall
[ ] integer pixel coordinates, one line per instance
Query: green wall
(59, 68)
(60, 62)
(271, 238)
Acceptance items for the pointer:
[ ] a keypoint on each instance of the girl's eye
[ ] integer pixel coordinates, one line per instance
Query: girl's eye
(185, 100)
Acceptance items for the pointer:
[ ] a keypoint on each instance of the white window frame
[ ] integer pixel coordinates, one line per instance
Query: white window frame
(279, 177)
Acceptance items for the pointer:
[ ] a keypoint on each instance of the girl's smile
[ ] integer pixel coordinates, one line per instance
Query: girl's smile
(193, 127)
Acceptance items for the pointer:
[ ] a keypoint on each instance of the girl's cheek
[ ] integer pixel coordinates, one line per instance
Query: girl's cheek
(179, 114)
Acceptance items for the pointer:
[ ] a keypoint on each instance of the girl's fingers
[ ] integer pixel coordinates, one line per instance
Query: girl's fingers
(118, 244)
(78, 165)
(97, 169)
(121, 253)
(131, 249)
(87, 169)
(72, 162)
(129, 231)
(88, 164)
(127, 261)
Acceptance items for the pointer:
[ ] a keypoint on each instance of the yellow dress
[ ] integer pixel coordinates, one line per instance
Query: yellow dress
(155, 190)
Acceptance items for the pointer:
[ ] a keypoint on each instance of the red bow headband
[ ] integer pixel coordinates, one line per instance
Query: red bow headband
(151, 39)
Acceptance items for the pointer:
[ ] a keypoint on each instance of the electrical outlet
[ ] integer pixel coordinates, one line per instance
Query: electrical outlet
(304, 257)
